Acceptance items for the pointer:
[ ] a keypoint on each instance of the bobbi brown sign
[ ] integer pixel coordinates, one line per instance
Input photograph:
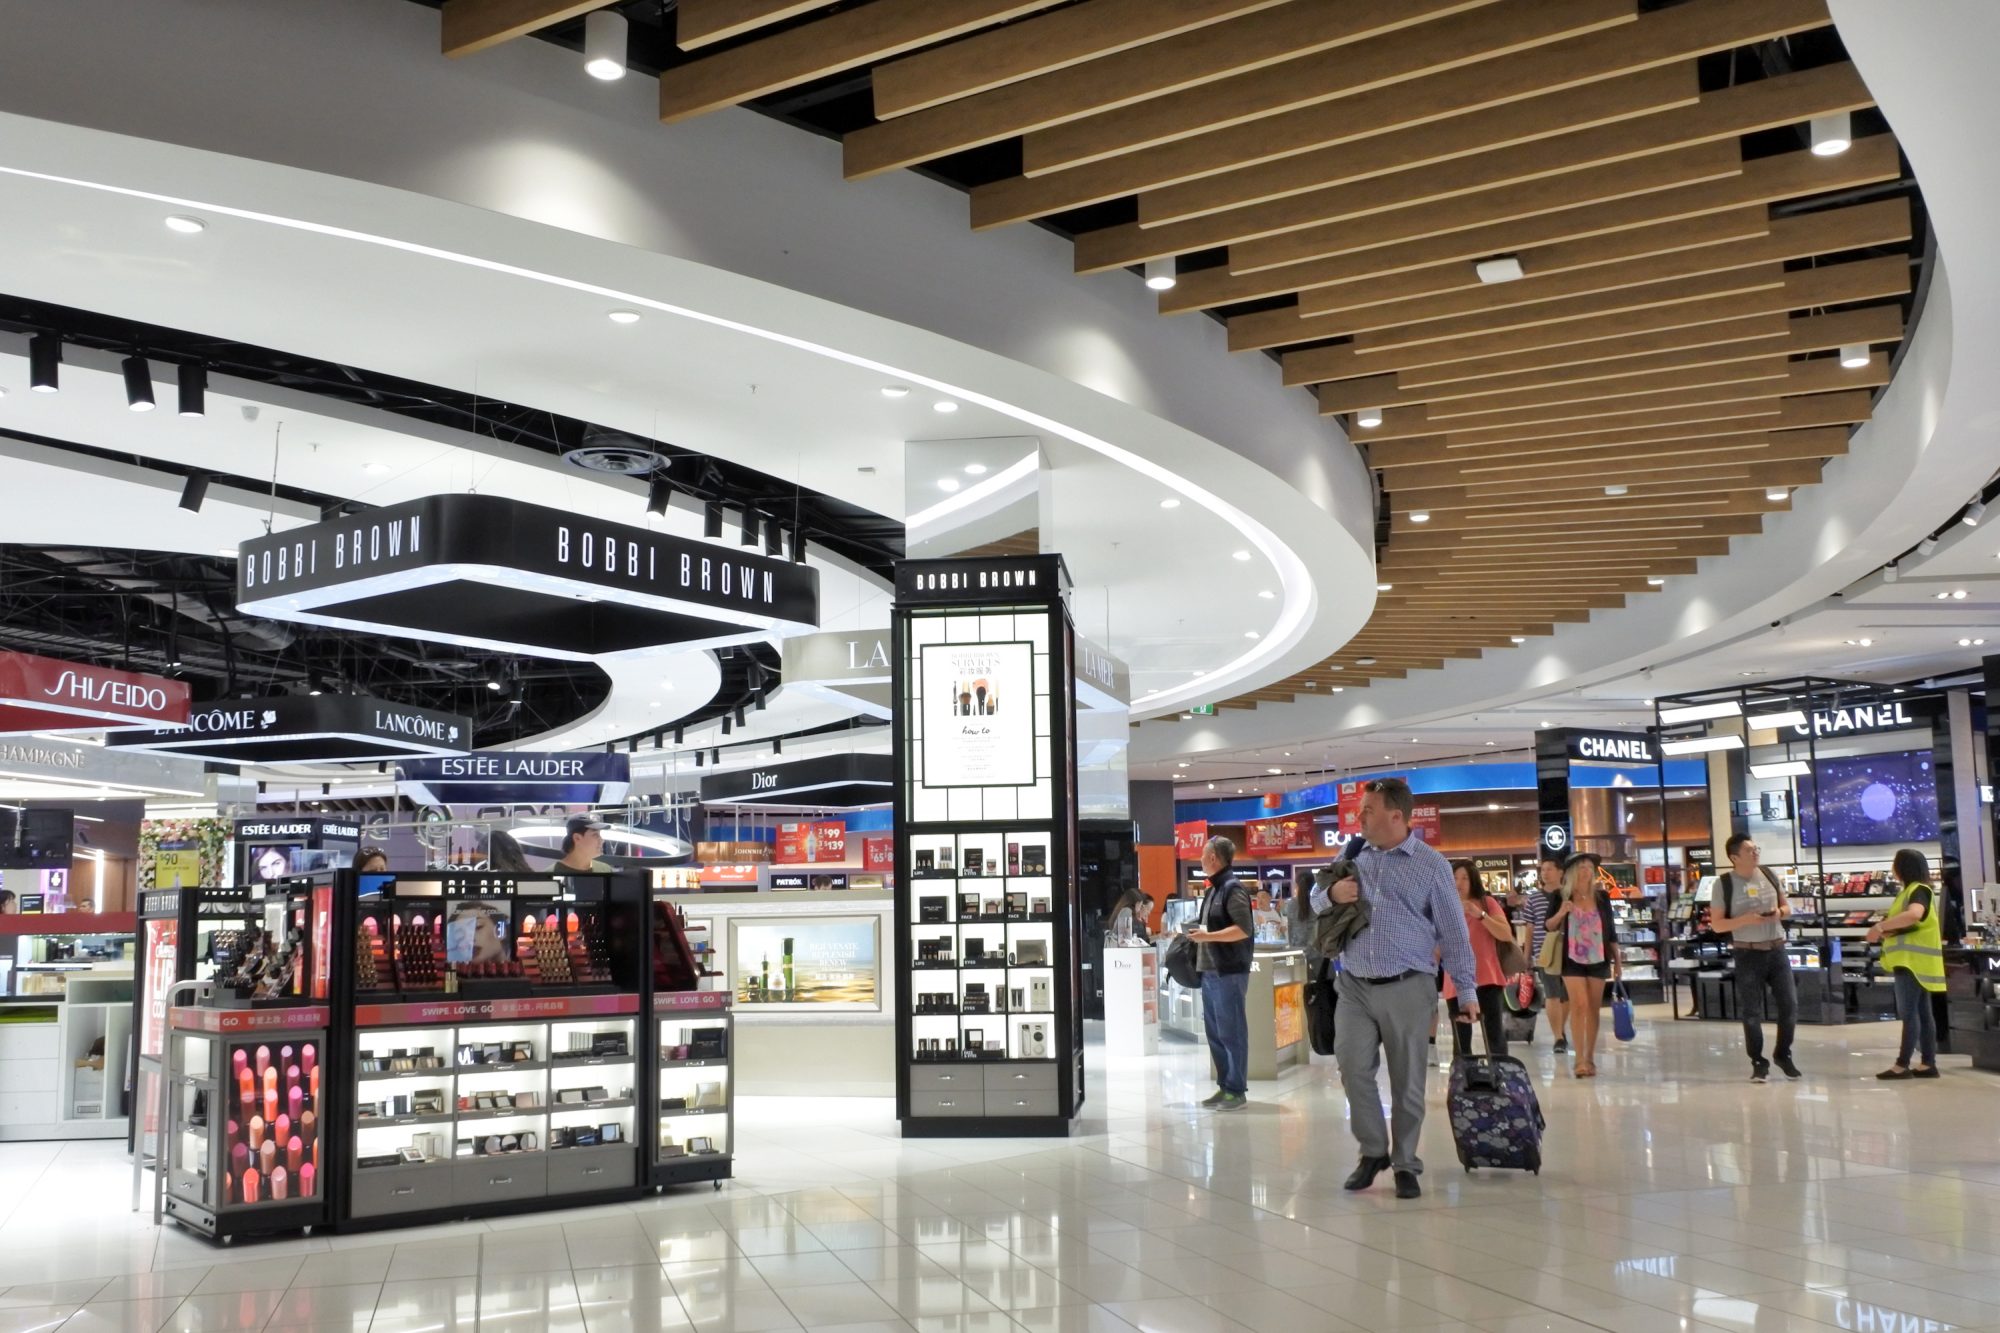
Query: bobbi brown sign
(486, 571)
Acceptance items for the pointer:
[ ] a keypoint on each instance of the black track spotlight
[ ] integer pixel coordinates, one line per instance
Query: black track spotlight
(716, 755)
(193, 382)
(631, 745)
(725, 724)
(739, 715)
(778, 745)
(749, 537)
(798, 546)
(774, 539)
(680, 735)
(711, 520)
(659, 493)
(44, 362)
(758, 703)
(193, 491)
(697, 759)
(138, 383)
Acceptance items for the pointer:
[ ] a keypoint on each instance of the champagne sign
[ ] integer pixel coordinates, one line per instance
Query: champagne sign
(979, 714)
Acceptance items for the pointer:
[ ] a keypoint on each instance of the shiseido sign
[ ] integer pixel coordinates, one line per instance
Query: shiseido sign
(482, 569)
(43, 694)
(308, 729)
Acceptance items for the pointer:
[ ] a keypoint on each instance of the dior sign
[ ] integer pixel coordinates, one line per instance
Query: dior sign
(485, 571)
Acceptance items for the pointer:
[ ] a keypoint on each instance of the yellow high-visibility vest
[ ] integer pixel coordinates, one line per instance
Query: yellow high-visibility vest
(1921, 947)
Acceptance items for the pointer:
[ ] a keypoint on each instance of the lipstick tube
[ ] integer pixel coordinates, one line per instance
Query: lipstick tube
(263, 1060)
(306, 1174)
(281, 1128)
(267, 1157)
(246, 1084)
(294, 1103)
(257, 1123)
(270, 1106)
(309, 1057)
(278, 1183)
(295, 1159)
(250, 1185)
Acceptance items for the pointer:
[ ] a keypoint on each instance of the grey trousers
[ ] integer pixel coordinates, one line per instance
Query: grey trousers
(1392, 1021)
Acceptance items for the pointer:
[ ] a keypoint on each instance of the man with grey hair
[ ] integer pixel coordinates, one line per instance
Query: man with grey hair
(1226, 939)
(1388, 980)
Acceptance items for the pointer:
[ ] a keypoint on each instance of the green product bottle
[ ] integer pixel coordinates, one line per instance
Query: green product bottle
(790, 992)
(764, 979)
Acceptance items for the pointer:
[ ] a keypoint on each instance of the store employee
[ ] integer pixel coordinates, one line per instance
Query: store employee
(583, 839)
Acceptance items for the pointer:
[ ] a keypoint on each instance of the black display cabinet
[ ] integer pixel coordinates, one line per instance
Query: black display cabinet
(492, 1056)
(181, 934)
(989, 1024)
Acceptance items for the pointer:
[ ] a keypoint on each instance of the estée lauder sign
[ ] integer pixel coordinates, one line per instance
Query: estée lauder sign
(485, 570)
(43, 694)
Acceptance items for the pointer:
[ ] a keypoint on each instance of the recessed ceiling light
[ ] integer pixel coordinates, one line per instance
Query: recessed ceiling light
(1160, 274)
(975, 469)
(1777, 493)
(1365, 661)
(1240, 555)
(226, 552)
(1390, 757)
(1420, 516)
(1518, 638)
(1201, 673)
(1854, 356)
(623, 316)
(1493, 805)
(895, 391)
(1151, 692)
(1547, 723)
(1288, 754)
(1339, 689)
(947, 483)
(1958, 594)
(1655, 581)
(1266, 594)
(1170, 503)
(1500, 268)
(1182, 764)
(1384, 587)
(1413, 740)
(1493, 742)
(375, 469)
(1616, 490)
(1278, 771)
(185, 224)
(1861, 643)
(1251, 634)
(1368, 418)
(1211, 786)
(944, 405)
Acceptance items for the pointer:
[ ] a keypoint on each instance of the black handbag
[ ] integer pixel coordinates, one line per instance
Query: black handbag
(1184, 962)
(1321, 999)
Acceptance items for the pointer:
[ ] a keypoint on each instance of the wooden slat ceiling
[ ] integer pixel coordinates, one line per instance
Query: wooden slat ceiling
(1326, 174)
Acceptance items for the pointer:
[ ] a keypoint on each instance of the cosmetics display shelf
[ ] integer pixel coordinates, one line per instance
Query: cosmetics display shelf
(694, 1036)
(243, 1135)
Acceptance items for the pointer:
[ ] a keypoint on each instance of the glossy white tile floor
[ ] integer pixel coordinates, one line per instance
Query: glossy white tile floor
(1677, 1197)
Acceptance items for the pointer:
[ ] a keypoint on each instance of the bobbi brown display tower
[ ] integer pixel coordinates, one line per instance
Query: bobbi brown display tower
(989, 1024)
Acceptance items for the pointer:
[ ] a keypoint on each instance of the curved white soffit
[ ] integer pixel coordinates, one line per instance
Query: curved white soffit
(1285, 481)
(1934, 438)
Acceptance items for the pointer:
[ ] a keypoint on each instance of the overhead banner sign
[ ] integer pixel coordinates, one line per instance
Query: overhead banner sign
(518, 777)
(489, 572)
(41, 694)
(833, 781)
(1190, 838)
(1612, 747)
(1102, 680)
(306, 729)
(1860, 719)
(815, 842)
(849, 666)
(1293, 834)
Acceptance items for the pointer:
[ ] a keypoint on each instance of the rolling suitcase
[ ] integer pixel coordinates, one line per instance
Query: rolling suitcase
(1520, 1026)
(1496, 1119)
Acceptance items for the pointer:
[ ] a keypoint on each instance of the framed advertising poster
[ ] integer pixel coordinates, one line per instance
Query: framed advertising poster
(978, 714)
(800, 962)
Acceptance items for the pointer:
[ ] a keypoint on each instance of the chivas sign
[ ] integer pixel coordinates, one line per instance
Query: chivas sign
(490, 572)
(43, 694)
(327, 729)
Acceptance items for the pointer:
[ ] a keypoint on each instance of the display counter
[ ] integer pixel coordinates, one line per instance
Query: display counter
(65, 1032)
(813, 1001)
(1131, 1000)
(1276, 1009)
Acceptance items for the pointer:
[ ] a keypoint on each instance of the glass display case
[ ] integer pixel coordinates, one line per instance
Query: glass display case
(695, 1042)
(244, 1132)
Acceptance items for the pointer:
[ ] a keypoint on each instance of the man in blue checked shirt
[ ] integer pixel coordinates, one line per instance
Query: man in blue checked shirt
(1388, 981)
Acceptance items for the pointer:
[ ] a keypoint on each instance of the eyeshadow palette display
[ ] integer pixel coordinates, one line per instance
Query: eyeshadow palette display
(693, 1092)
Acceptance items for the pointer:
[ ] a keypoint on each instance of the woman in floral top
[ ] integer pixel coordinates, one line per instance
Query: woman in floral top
(1589, 955)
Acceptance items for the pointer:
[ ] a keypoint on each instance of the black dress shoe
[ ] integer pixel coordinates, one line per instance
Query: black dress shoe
(1365, 1173)
(1407, 1186)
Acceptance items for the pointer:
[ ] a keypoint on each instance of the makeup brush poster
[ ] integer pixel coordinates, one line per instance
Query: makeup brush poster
(979, 714)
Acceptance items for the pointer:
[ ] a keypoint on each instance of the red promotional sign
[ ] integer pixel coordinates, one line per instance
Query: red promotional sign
(487, 1011)
(820, 842)
(161, 963)
(225, 1021)
(879, 853)
(44, 694)
(1189, 838)
(1293, 834)
(1350, 809)
(791, 845)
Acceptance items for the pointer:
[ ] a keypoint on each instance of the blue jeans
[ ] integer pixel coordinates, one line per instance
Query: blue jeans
(1227, 1022)
(1913, 1006)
